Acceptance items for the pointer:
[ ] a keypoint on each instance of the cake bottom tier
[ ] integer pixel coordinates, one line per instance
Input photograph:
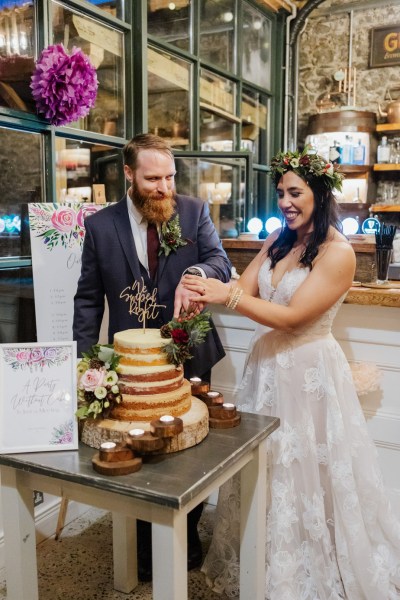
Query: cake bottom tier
(195, 429)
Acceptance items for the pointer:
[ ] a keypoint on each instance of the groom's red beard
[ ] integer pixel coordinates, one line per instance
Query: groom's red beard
(155, 208)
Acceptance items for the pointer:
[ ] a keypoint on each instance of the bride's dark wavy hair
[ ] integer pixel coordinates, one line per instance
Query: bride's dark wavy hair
(325, 214)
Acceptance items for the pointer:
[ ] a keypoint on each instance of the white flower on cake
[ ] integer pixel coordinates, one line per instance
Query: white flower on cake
(98, 389)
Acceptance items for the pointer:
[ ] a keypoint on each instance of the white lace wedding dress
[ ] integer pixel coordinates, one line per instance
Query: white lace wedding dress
(331, 533)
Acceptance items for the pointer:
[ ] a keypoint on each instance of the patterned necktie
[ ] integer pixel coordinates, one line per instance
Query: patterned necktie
(153, 245)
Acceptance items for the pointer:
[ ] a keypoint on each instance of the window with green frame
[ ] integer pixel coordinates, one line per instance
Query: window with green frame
(232, 52)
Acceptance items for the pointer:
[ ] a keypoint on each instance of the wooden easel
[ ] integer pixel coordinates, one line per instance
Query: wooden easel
(62, 513)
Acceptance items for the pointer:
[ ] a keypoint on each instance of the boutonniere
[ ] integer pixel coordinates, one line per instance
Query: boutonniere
(171, 237)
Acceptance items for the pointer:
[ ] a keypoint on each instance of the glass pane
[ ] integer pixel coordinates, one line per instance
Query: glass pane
(114, 7)
(217, 112)
(17, 307)
(169, 80)
(104, 46)
(20, 152)
(170, 21)
(217, 33)
(256, 57)
(260, 207)
(17, 50)
(80, 165)
(221, 183)
(254, 124)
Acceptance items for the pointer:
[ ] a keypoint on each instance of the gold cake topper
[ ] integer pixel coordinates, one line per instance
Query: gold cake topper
(141, 302)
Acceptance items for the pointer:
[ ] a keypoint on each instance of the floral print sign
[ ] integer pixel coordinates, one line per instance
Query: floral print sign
(36, 358)
(38, 397)
(62, 225)
(57, 233)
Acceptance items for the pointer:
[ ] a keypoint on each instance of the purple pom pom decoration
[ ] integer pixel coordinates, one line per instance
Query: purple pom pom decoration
(64, 86)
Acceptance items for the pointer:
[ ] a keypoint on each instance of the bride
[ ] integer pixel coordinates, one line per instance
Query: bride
(330, 531)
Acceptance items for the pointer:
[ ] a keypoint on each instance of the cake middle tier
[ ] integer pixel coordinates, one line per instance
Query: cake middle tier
(152, 405)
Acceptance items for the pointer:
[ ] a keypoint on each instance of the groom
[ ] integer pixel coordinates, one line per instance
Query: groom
(143, 245)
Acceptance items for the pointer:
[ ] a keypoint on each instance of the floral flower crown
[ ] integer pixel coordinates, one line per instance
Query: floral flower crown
(307, 165)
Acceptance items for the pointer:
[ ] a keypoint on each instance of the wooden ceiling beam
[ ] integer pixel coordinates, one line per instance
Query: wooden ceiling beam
(276, 5)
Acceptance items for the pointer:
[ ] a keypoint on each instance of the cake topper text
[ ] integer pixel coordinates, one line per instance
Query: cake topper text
(142, 303)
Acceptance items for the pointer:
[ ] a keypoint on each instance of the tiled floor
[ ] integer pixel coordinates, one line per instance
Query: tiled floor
(79, 565)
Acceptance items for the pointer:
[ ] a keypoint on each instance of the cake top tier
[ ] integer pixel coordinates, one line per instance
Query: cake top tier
(140, 338)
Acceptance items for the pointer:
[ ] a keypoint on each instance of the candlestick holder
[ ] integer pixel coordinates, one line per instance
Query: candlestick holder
(212, 398)
(223, 416)
(144, 443)
(166, 426)
(198, 386)
(114, 452)
(115, 459)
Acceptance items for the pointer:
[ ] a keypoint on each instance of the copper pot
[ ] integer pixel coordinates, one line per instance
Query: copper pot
(392, 112)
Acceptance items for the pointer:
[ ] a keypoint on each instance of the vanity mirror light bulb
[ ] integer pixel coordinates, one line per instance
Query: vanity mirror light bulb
(272, 223)
(255, 225)
(350, 226)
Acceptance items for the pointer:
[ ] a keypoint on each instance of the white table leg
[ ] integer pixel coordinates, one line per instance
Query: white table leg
(253, 526)
(19, 538)
(170, 579)
(124, 552)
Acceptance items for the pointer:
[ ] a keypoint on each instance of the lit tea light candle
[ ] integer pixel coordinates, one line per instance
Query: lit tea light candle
(166, 426)
(198, 386)
(228, 405)
(166, 419)
(108, 445)
(212, 398)
(136, 432)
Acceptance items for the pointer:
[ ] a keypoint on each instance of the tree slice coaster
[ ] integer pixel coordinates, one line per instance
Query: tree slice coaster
(224, 423)
(195, 429)
(124, 467)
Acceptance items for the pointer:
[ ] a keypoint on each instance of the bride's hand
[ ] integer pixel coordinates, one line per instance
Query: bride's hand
(211, 291)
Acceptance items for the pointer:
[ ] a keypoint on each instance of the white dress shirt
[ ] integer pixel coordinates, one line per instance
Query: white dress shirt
(139, 232)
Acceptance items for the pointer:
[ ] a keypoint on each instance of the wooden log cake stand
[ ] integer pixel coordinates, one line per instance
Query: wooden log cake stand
(195, 429)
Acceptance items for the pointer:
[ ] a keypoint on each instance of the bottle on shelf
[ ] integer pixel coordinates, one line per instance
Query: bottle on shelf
(359, 154)
(335, 153)
(383, 151)
(347, 154)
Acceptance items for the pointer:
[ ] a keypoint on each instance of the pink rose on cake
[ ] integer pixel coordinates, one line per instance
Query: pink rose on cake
(98, 389)
(91, 379)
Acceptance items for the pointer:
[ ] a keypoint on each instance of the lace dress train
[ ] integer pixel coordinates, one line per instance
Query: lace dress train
(331, 533)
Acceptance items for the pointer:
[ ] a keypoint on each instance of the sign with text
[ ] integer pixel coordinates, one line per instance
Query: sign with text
(38, 397)
(57, 232)
(385, 46)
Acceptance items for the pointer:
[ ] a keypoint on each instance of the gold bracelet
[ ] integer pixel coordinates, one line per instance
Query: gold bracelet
(230, 294)
(237, 299)
(234, 297)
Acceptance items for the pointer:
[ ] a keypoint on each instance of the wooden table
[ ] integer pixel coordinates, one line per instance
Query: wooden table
(163, 492)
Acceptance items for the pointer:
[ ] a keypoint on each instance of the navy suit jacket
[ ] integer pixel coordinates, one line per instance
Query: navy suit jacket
(111, 269)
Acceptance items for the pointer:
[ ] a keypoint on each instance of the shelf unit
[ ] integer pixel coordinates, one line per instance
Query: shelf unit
(391, 128)
(386, 167)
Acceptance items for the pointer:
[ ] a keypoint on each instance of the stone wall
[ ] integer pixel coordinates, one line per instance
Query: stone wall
(324, 49)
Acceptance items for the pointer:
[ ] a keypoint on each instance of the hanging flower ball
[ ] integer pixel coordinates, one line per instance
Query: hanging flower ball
(64, 86)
